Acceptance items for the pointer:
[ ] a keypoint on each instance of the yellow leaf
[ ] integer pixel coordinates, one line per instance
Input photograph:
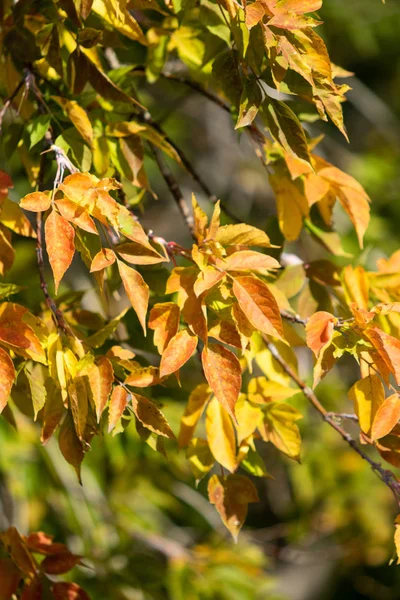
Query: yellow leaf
(368, 395)
(193, 411)
(248, 418)
(356, 286)
(60, 244)
(291, 203)
(12, 216)
(119, 18)
(221, 435)
(241, 235)
(279, 427)
(249, 260)
(78, 117)
(137, 291)
(200, 458)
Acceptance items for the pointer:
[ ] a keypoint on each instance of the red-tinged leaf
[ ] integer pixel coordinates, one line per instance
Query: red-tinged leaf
(53, 412)
(259, 305)
(254, 14)
(58, 564)
(70, 445)
(36, 202)
(386, 417)
(231, 496)
(193, 411)
(221, 435)
(33, 590)
(178, 352)
(249, 260)
(12, 216)
(5, 183)
(17, 334)
(7, 252)
(10, 577)
(164, 320)
(60, 245)
(7, 378)
(388, 348)
(18, 550)
(319, 331)
(143, 377)
(224, 375)
(118, 402)
(103, 259)
(76, 214)
(68, 591)
(137, 291)
(43, 544)
(151, 417)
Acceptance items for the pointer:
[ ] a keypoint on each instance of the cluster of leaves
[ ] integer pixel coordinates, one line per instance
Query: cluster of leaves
(28, 562)
(224, 299)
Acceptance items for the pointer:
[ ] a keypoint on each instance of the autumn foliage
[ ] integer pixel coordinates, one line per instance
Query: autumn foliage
(81, 129)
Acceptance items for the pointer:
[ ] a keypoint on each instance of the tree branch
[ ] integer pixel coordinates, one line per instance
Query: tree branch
(175, 190)
(385, 475)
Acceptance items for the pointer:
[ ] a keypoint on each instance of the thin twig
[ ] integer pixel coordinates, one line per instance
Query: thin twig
(175, 190)
(293, 318)
(385, 475)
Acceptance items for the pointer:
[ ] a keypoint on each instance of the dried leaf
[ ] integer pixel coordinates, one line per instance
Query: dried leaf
(259, 305)
(231, 496)
(118, 402)
(150, 416)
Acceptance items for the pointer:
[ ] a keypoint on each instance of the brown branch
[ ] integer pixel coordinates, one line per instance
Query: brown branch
(175, 190)
(385, 475)
(293, 318)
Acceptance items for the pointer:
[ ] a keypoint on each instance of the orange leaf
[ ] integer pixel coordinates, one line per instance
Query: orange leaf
(231, 496)
(178, 352)
(224, 375)
(388, 348)
(7, 377)
(100, 378)
(143, 377)
(386, 417)
(18, 550)
(250, 260)
(57, 564)
(68, 591)
(164, 320)
(17, 334)
(150, 416)
(137, 291)
(319, 330)
(10, 577)
(36, 202)
(259, 305)
(103, 259)
(76, 214)
(119, 400)
(60, 245)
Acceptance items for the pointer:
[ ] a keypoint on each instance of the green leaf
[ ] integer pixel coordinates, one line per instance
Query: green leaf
(250, 102)
(285, 128)
(39, 127)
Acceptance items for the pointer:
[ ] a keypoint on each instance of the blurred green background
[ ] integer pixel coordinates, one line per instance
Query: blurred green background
(323, 529)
